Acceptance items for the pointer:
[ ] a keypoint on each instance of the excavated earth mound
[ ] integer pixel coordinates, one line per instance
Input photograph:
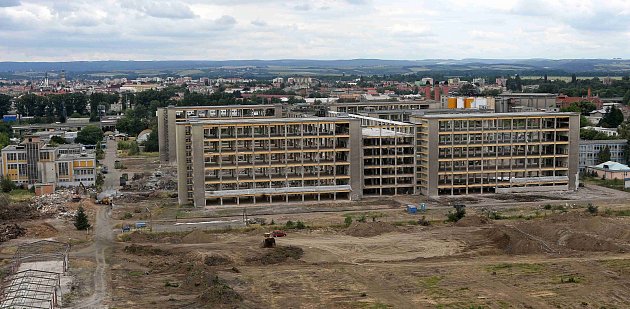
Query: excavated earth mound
(369, 229)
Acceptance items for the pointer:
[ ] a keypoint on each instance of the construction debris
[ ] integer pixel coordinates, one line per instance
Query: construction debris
(56, 204)
(11, 231)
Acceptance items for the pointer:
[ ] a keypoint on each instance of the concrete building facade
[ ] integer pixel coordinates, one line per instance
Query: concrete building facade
(520, 102)
(35, 162)
(361, 107)
(496, 153)
(254, 161)
(168, 117)
(589, 150)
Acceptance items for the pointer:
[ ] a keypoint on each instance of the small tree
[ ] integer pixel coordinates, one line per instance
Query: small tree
(81, 221)
(90, 135)
(134, 149)
(460, 212)
(7, 185)
(603, 155)
(592, 209)
(347, 221)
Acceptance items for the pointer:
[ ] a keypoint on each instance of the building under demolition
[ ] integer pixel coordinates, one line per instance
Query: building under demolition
(345, 156)
(253, 161)
(34, 161)
(168, 117)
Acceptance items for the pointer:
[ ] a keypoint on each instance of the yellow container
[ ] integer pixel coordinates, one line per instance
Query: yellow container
(468, 102)
(452, 103)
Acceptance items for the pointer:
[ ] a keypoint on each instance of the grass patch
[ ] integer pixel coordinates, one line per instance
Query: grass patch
(431, 282)
(150, 154)
(20, 195)
(135, 273)
(517, 267)
(616, 184)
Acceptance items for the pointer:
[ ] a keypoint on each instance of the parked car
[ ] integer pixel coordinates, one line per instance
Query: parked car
(278, 233)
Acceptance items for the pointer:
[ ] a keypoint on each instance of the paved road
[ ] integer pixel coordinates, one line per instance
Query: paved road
(104, 236)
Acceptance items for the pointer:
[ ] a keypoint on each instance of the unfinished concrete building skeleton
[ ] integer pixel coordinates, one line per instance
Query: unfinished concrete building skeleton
(502, 152)
(168, 117)
(252, 161)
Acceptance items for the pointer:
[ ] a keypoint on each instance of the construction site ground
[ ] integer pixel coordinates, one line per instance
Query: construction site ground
(541, 250)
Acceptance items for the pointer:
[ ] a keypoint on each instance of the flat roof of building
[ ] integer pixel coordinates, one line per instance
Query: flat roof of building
(526, 94)
(603, 141)
(266, 120)
(384, 102)
(218, 106)
(497, 115)
(380, 132)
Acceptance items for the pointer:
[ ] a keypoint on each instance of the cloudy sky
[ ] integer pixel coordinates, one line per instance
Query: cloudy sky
(63, 30)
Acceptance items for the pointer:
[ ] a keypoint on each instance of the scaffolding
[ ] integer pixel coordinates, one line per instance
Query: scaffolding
(33, 287)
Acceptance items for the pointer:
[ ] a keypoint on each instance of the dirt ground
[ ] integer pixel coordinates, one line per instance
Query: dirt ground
(510, 251)
(561, 260)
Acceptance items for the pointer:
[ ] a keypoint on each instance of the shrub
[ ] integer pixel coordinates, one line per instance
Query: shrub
(361, 219)
(300, 225)
(127, 216)
(458, 214)
(592, 209)
(7, 185)
(289, 224)
(347, 221)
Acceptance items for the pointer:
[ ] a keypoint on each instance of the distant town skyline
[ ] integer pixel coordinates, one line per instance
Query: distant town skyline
(48, 30)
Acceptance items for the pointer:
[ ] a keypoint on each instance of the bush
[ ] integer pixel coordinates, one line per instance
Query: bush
(7, 185)
(127, 216)
(347, 221)
(289, 224)
(458, 214)
(134, 149)
(300, 225)
(592, 209)
(361, 219)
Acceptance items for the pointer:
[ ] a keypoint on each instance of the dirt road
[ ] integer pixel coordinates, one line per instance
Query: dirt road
(103, 238)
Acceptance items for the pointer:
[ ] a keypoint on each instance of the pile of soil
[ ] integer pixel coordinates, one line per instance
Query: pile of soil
(278, 255)
(563, 233)
(513, 242)
(473, 220)
(213, 292)
(16, 211)
(216, 260)
(369, 229)
(198, 237)
(43, 230)
(11, 231)
(140, 237)
(145, 250)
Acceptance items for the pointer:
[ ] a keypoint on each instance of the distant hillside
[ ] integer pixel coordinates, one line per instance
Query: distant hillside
(323, 67)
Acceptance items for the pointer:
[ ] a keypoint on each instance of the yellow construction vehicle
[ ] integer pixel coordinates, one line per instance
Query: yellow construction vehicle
(269, 241)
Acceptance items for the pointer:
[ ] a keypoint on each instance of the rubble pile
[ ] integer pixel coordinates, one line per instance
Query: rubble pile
(56, 204)
(11, 231)
(160, 180)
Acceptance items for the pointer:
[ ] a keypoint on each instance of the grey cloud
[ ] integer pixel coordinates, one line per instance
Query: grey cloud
(161, 9)
(9, 3)
(302, 7)
(259, 23)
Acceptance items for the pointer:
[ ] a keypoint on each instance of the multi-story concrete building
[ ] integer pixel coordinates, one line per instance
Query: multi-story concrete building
(488, 153)
(589, 150)
(35, 162)
(361, 107)
(168, 117)
(388, 155)
(519, 102)
(252, 161)
(347, 156)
